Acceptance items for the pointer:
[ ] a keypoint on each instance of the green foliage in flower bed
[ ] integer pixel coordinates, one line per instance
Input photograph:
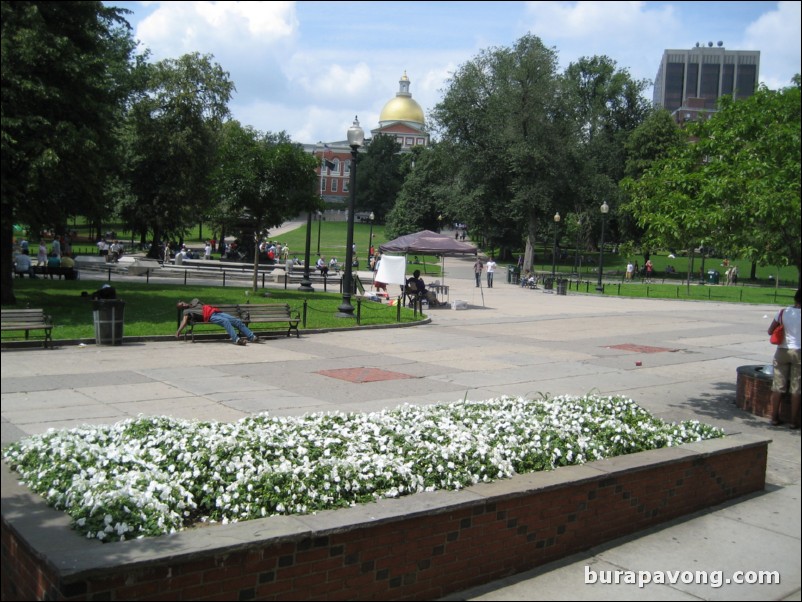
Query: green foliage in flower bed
(150, 476)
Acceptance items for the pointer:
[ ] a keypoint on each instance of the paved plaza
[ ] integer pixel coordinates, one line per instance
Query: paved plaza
(678, 359)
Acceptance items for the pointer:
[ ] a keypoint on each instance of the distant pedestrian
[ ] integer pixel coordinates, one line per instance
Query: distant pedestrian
(491, 269)
(41, 257)
(477, 271)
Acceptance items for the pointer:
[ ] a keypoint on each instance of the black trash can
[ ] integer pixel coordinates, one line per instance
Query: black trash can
(712, 277)
(548, 283)
(513, 274)
(108, 315)
(562, 286)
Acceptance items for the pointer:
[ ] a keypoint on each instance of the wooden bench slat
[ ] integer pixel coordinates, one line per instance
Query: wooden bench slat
(27, 320)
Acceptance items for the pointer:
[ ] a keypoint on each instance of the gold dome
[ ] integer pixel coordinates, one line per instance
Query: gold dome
(402, 107)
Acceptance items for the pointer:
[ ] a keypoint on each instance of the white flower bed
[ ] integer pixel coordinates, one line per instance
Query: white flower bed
(151, 476)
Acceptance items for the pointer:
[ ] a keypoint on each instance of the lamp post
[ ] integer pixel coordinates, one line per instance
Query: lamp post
(319, 219)
(577, 266)
(306, 282)
(605, 208)
(554, 251)
(370, 239)
(356, 137)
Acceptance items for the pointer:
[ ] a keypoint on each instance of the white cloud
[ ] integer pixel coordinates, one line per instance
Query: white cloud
(777, 34)
(580, 20)
(176, 28)
(307, 67)
(634, 30)
(326, 81)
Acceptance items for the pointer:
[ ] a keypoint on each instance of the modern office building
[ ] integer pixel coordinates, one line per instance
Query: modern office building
(690, 82)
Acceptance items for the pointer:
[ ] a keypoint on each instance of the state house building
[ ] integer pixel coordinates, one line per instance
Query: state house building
(402, 118)
(690, 82)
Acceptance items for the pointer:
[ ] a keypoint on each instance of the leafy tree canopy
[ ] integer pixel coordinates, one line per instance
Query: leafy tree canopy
(737, 187)
(64, 81)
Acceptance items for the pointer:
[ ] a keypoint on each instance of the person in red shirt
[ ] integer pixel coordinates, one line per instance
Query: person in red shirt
(236, 329)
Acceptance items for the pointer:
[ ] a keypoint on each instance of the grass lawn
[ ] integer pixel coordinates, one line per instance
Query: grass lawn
(327, 236)
(150, 308)
(727, 294)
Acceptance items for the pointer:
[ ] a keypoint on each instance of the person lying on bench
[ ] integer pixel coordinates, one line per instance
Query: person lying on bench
(207, 313)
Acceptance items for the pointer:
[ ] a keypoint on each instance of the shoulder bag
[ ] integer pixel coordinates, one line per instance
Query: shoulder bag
(778, 334)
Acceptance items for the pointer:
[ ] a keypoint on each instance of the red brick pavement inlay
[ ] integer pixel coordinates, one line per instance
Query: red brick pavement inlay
(364, 375)
(640, 348)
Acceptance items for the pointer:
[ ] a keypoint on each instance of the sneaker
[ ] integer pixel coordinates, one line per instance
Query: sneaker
(241, 341)
(254, 339)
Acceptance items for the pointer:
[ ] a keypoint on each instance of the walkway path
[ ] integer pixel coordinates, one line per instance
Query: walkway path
(677, 359)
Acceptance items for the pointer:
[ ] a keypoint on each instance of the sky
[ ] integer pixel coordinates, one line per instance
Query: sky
(308, 68)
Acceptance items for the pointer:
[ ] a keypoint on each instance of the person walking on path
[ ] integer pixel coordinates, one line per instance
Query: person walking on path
(477, 271)
(787, 362)
(207, 313)
(491, 269)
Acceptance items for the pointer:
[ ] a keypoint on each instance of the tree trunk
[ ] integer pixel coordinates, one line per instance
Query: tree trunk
(153, 252)
(7, 259)
(255, 261)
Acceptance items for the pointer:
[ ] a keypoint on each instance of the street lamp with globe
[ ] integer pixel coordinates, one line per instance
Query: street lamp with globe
(356, 138)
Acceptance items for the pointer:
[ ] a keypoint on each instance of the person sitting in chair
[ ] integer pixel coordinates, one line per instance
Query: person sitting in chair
(416, 286)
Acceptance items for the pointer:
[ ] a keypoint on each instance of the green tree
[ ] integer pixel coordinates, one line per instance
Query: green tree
(65, 68)
(378, 179)
(653, 139)
(261, 181)
(424, 195)
(604, 104)
(174, 133)
(737, 187)
(499, 117)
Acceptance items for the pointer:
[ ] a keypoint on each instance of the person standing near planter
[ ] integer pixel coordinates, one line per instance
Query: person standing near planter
(787, 361)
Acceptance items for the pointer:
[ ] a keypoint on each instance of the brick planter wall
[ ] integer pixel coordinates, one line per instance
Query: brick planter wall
(753, 393)
(419, 547)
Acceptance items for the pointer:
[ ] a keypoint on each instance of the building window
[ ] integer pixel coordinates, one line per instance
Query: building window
(673, 90)
(420, 141)
(336, 169)
(345, 185)
(692, 81)
(410, 141)
(747, 76)
(709, 91)
(322, 184)
(333, 185)
(400, 140)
